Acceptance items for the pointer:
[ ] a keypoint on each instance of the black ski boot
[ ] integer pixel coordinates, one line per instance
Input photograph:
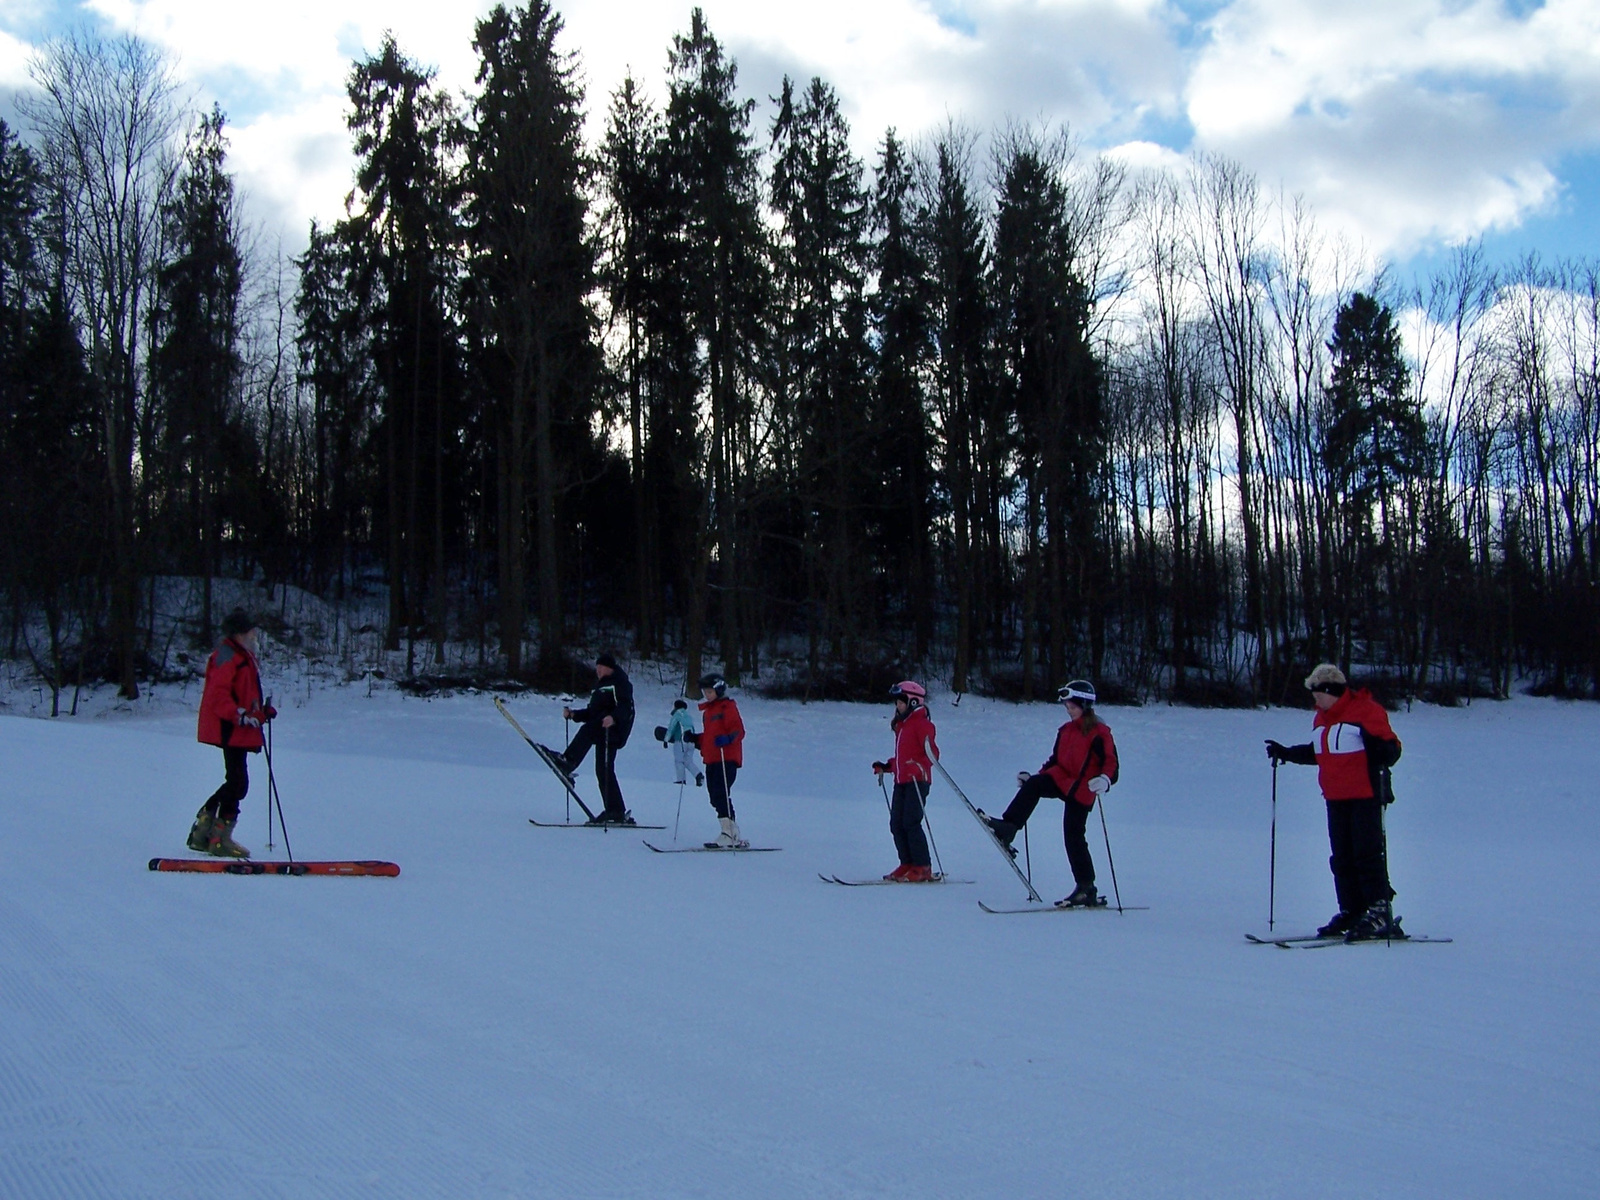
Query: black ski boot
(1003, 830)
(1377, 924)
(607, 817)
(1083, 896)
(1340, 924)
(200, 831)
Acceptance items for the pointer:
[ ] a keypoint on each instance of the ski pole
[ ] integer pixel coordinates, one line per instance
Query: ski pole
(937, 861)
(273, 800)
(1272, 868)
(1110, 862)
(566, 733)
(887, 807)
(1027, 853)
(679, 817)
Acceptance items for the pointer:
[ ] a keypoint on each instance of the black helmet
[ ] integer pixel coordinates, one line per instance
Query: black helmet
(1079, 691)
(237, 623)
(714, 681)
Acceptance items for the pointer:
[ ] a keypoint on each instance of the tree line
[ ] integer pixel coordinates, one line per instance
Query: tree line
(997, 410)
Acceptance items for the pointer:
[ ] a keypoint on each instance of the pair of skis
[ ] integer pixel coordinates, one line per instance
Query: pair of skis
(1311, 941)
(238, 866)
(888, 882)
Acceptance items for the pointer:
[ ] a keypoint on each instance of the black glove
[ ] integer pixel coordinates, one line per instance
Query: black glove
(268, 713)
(1277, 751)
(880, 768)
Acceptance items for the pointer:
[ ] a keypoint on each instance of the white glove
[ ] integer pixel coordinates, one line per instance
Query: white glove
(1100, 784)
(248, 720)
(1023, 777)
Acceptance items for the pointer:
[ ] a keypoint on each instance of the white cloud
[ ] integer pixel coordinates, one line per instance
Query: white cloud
(1404, 122)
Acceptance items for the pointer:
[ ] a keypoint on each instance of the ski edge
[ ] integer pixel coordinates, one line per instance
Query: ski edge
(1053, 908)
(587, 825)
(888, 882)
(712, 849)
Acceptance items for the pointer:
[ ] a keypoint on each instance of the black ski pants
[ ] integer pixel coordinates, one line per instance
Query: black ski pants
(905, 823)
(598, 737)
(224, 802)
(1073, 824)
(719, 787)
(1360, 857)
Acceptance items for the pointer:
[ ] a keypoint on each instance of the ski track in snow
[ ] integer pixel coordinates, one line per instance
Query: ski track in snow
(533, 1013)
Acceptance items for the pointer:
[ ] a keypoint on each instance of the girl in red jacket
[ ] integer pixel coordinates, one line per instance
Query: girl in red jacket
(1082, 766)
(231, 716)
(1353, 747)
(912, 767)
(721, 742)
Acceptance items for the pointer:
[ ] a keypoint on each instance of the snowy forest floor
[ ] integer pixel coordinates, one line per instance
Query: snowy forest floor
(529, 1012)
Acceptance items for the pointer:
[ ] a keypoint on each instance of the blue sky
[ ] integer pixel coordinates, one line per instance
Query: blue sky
(1409, 125)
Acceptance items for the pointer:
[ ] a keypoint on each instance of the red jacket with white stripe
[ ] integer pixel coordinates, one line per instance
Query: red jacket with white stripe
(1351, 743)
(913, 736)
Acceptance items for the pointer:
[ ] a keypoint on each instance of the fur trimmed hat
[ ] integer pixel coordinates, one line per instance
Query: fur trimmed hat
(1325, 674)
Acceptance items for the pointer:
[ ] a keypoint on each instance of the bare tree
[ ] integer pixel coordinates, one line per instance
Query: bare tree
(109, 118)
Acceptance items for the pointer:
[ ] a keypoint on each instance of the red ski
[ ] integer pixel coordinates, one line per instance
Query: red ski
(241, 866)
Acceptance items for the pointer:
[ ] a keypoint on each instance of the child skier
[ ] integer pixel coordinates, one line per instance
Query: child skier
(231, 716)
(1353, 746)
(677, 737)
(912, 768)
(1082, 767)
(721, 742)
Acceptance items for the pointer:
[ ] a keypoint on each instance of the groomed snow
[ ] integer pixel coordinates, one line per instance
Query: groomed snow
(551, 1013)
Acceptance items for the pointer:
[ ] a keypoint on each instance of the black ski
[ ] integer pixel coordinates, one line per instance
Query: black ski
(1324, 943)
(709, 848)
(1271, 940)
(1044, 908)
(546, 758)
(888, 882)
(1009, 854)
(589, 825)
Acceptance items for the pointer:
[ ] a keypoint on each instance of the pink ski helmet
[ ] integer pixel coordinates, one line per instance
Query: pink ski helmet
(912, 692)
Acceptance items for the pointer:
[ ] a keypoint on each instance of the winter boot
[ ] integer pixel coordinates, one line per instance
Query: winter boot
(1340, 924)
(899, 873)
(1003, 830)
(918, 875)
(200, 831)
(699, 779)
(1083, 896)
(729, 838)
(1377, 924)
(221, 842)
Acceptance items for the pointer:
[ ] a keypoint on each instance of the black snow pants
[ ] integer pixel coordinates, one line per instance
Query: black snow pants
(224, 802)
(605, 763)
(1073, 824)
(905, 823)
(719, 787)
(1360, 857)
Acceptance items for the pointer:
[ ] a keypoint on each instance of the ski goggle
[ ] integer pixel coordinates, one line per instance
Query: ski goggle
(1078, 692)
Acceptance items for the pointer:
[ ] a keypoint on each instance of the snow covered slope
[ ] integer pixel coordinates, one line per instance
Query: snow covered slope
(529, 1012)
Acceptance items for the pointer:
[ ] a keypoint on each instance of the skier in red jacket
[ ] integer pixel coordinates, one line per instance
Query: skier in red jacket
(721, 744)
(912, 768)
(231, 716)
(1353, 748)
(1082, 766)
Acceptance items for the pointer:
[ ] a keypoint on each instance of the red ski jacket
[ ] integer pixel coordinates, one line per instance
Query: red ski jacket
(721, 719)
(233, 689)
(1353, 739)
(1079, 756)
(913, 734)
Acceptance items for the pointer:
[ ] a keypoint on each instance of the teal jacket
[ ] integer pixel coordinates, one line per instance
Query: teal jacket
(680, 724)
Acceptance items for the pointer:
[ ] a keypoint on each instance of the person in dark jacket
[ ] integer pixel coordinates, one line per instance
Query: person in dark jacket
(604, 725)
(1353, 748)
(1081, 767)
(231, 716)
(912, 768)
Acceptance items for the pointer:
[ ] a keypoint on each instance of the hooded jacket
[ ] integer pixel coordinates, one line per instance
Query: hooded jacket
(913, 736)
(233, 690)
